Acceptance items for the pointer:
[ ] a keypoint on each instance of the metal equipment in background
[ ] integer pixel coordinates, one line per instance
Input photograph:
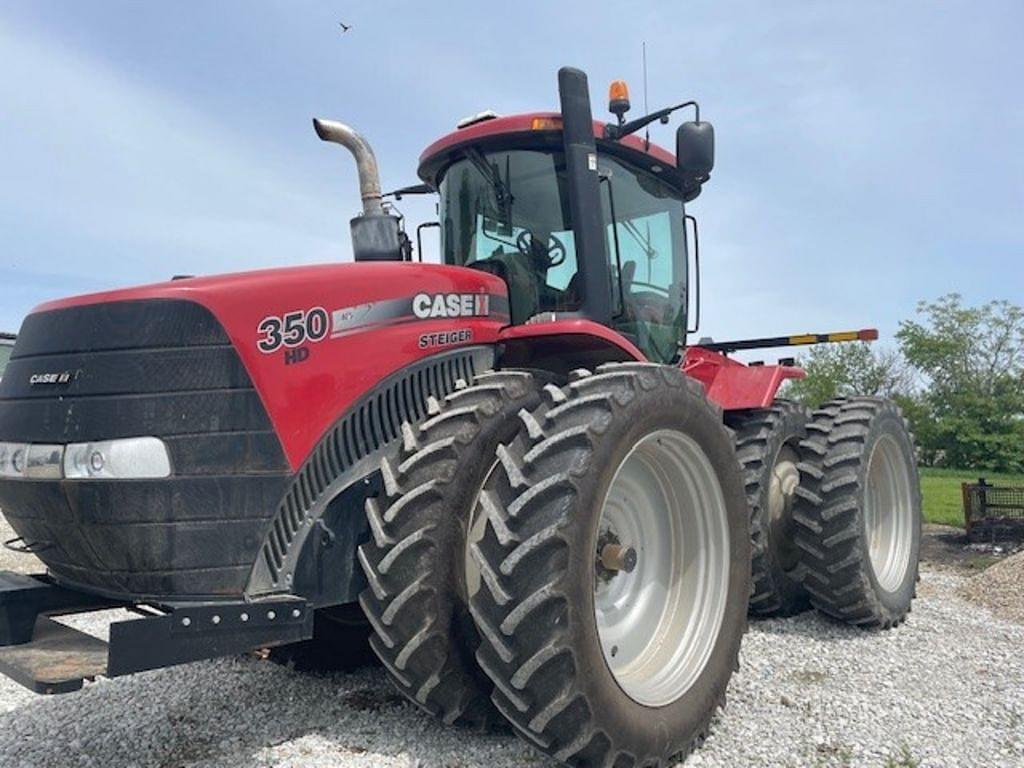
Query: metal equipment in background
(993, 512)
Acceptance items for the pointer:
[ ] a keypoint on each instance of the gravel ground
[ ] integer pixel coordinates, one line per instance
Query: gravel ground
(945, 689)
(1000, 588)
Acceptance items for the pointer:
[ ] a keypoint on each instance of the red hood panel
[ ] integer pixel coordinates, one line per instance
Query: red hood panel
(314, 339)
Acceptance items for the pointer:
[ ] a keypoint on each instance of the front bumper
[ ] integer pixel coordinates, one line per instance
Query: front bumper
(48, 657)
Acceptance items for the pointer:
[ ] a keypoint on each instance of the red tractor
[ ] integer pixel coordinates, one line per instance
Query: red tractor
(547, 506)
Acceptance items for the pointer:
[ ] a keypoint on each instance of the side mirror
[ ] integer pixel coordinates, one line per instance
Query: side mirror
(695, 151)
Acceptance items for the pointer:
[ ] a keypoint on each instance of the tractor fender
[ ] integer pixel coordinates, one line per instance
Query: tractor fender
(310, 545)
(563, 345)
(733, 385)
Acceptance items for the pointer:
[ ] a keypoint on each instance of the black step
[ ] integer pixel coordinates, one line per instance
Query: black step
(58, 659)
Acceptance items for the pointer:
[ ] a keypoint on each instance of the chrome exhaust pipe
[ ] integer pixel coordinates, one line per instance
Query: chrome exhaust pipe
(366, 161)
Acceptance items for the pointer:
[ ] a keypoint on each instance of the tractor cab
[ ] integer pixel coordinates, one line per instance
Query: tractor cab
(509, 205)
(506, 210)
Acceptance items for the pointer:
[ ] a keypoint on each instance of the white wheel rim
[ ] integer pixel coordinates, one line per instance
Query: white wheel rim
(785, 478)
(659, 623)
(888, 514)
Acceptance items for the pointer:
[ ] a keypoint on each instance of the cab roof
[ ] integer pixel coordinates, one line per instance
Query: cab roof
(542, 130)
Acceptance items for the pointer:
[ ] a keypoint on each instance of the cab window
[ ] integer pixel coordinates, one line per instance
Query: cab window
(647, 253)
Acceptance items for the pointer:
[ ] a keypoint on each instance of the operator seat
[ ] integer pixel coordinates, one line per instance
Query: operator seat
(522, 282)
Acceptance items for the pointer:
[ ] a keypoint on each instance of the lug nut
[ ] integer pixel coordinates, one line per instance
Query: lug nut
(616, 557)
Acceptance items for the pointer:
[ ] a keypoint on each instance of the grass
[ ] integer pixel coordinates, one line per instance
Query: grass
(942, 498)
(905, 759)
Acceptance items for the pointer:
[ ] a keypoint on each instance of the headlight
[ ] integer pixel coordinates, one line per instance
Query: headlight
(13, 457)
(32, 461)
(133, 458)
(44, 461)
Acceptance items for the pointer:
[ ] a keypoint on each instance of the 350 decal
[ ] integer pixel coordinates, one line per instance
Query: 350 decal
(293, 329)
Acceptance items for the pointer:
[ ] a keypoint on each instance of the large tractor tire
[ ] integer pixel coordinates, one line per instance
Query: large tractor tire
(616, 569)
(416, 560)
(858, 514)
(767, 446)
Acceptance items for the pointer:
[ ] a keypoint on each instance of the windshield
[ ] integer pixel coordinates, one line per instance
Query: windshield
(507, 212)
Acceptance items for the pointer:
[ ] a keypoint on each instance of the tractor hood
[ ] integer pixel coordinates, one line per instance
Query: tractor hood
(312, 339)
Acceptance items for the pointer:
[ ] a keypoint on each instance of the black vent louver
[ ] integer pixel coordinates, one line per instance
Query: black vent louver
(372, 424)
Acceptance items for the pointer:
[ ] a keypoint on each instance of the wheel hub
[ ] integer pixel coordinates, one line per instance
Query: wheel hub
(615, 557)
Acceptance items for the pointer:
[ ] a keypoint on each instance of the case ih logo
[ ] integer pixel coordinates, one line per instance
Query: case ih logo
(63, 377)
(427, 305)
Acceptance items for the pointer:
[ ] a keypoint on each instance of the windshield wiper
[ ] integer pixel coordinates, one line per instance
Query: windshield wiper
(502, 195)
(643, 242)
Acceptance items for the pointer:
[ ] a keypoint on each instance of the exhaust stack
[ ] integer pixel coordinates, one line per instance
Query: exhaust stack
(376, 234)
(366, 161)
(585, 194)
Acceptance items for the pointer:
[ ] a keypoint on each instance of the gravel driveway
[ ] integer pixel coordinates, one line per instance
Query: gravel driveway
(946, 689)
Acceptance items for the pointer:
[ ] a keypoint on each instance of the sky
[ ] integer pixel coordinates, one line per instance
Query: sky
(869, 155)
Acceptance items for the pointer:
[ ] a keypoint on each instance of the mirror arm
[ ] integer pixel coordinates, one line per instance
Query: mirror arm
(616, 132)
(419, 236)
(414, 189)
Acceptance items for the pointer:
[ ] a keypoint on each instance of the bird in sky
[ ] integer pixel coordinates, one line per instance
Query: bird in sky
(344, 27)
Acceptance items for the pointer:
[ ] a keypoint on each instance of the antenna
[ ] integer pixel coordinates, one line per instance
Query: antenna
(647, 132)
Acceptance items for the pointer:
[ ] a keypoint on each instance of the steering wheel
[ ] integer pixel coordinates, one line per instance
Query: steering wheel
(554, 255)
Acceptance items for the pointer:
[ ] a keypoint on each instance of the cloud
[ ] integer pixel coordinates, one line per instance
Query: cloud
(107, 181)
(861, 165)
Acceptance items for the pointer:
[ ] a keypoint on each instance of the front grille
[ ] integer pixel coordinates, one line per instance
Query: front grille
(159, 367)
(156, 367)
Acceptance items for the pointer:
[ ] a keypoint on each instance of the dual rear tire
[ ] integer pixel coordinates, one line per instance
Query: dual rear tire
(768, 449)
(858, 516)
(835, 509)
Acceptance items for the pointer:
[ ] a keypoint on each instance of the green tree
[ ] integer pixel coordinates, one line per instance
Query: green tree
(841, 370)
(973, 361)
